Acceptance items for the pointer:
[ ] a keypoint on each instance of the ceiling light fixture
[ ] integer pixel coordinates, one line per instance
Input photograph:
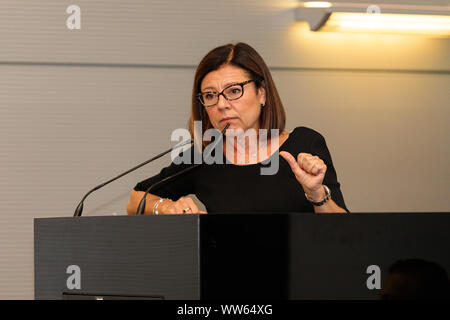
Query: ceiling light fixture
(368, 18)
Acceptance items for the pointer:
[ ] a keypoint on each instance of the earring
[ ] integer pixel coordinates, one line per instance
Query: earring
(263, 105)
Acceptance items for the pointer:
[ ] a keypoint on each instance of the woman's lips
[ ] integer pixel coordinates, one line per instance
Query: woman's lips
(228, 119)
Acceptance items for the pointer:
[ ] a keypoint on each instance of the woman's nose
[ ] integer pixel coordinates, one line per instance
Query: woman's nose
(222, 103)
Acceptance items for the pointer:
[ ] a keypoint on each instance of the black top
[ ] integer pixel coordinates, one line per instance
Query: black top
(241, 188)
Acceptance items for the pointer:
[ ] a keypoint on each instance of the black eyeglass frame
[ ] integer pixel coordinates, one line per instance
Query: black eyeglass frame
(241, 84)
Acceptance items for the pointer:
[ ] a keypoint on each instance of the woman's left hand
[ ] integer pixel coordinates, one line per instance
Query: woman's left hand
(309, 171)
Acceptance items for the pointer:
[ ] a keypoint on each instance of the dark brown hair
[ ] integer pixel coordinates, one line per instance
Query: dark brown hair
(245, 57)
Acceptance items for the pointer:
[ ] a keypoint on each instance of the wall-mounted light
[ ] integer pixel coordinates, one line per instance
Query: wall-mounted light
(369, 18)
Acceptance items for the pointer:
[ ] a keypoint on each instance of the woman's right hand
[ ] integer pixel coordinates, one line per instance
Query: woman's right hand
(184, 205)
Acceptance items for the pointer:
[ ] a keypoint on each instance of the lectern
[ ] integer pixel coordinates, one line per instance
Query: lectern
(231, 256)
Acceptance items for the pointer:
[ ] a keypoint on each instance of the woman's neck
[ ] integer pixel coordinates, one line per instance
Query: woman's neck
(250, 149)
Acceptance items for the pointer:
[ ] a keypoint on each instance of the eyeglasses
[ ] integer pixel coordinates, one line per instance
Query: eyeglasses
(232, 92)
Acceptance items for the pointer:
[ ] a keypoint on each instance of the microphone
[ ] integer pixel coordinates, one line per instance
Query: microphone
(141, 207)
(79, 209)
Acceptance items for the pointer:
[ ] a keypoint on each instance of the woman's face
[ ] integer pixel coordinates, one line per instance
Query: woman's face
(242, 113)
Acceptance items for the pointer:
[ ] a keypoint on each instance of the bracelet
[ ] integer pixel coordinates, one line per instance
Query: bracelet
(327, 197)
(157, 203)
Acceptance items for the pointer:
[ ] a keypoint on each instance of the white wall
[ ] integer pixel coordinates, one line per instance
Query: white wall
(78, 107)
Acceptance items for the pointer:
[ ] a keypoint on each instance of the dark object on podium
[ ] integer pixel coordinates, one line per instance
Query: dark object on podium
(231, 256)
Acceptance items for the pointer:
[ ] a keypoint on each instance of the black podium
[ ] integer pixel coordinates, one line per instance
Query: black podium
(231, 256)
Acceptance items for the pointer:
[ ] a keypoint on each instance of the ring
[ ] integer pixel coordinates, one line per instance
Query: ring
(186, 210)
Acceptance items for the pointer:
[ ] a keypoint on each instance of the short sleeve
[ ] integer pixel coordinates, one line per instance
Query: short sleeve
(319, 148)
(173, 188)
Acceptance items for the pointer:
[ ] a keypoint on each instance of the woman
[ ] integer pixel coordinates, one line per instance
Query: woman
(233, 85)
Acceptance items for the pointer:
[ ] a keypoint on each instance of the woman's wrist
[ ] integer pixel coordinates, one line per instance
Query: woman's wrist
(316, 195)
(156, 207)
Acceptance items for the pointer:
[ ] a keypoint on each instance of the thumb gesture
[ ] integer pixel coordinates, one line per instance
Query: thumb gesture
(309, 171)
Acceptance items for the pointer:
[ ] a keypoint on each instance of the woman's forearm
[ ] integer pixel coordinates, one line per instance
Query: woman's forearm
(329, 207)
(135, 199)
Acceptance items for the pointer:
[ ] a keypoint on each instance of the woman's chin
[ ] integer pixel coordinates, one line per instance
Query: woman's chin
(232, 126)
